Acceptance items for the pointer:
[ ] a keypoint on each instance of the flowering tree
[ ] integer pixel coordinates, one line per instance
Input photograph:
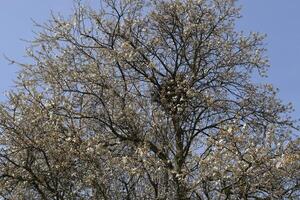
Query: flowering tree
(146, 100)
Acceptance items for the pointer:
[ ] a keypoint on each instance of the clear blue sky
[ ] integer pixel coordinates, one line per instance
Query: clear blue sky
(278, 19)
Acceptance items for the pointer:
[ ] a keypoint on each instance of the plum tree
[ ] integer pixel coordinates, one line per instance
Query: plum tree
(147, 100)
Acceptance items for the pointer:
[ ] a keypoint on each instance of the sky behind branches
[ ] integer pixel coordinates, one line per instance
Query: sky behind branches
(278, 19)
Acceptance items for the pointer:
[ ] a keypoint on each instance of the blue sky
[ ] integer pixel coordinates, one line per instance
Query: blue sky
(16, 23)
(278, 19)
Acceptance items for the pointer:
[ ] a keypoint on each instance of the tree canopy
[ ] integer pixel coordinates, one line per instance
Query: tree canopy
(147, 100)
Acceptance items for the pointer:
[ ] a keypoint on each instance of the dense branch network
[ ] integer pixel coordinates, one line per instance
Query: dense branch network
(146, 100)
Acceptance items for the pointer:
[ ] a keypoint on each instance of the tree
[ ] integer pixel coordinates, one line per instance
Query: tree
(147, 100)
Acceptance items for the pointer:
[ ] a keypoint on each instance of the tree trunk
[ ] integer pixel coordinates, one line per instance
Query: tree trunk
(181, 193)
